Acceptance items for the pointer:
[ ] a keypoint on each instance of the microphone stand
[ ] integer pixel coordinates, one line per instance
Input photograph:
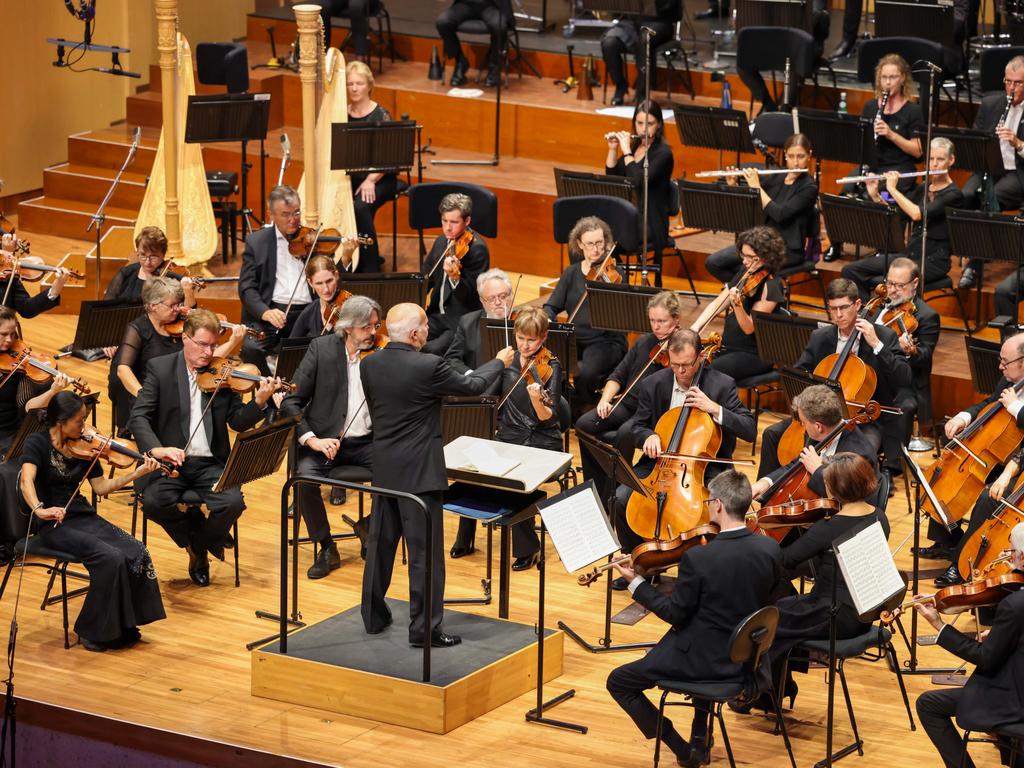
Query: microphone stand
(927, 167)
(97, 219)
(645, 35)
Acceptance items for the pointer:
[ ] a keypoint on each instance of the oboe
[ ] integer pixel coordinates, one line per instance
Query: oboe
(881, 109)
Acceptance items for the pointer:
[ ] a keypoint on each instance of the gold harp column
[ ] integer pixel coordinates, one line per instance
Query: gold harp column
(167, 44)
(307, 17)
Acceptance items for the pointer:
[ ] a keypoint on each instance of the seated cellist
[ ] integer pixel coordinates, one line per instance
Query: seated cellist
(676, 387)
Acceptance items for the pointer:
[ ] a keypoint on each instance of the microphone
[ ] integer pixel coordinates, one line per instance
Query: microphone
(135, 143)
(649, 31)
(286, 147)
(928, 65)
(118, 72)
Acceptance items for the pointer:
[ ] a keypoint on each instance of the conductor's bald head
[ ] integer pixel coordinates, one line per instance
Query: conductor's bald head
(407, 324)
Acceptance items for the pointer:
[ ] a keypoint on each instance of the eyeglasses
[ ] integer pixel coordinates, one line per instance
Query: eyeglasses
(501, 298)
(837, 308)
(204, 345)
(894, 284)
(151, 257)
(175, 305)
(288, 215)
(1013, 83)
(1008, 363)
(682, 366)
(708, 501)
(593, 246)
(370, 327)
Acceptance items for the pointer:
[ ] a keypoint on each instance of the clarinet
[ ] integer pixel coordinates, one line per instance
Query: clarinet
(1006, 111)
(881, 109)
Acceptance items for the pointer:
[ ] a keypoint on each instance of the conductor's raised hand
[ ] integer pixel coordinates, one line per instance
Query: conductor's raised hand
(506, 355)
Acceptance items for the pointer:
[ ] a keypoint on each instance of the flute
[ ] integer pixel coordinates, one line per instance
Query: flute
(881, 176)
(612, 136)
(760, 172)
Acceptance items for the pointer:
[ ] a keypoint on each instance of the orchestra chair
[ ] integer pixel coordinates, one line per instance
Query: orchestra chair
(1013, 733)
(672, 51)
(478, 27)
(349, 473)
(748, 645)
(424, 199)
(381, 39)
(32, 546)
(772, 129)
(190, 501)
(943, 288)
(768, 48)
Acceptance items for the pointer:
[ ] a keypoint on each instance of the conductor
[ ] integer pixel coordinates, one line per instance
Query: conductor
(404, 389)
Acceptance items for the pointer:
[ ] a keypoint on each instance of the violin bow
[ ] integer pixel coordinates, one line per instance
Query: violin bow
(10, 280)
(302, 274)
(220, 383)
(508, 307)
(622, 395)
(600, 268)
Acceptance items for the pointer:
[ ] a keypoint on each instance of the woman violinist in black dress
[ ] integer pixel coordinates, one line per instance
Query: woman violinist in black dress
(151, 252)
(123, 590)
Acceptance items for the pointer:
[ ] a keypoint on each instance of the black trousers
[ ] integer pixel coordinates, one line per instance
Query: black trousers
(627, 685)
(739, 364)
(369, 255)
(624, 38)
(935, 710)
(358, 13)
(390, 520)
(354, 451)
(160, 500)
(466, 10)
(255, 352)
(617, 430)
(597, 359)
(1006, 295)
(870, 271)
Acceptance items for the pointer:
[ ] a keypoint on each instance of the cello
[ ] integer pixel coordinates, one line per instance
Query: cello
(675, 492)
(981, 551)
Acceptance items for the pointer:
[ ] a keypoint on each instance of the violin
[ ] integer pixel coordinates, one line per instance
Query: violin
(964, 597)
(178, 326)
(791, 513)
(239, 377)
(538, 370)
(381, 342)
(322, 241)
(675, 490)
(38, 368)
(746, 286)
(120, 455)
(28, 271)
(7, 228)
(333, 307)
(458, 248)
(902, 317)
(656, 555)
(605, 272)
(199, 282)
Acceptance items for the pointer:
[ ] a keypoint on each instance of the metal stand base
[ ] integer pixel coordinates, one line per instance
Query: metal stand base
(920, 445)
(604, 644)
(295, 623)
(533, 717)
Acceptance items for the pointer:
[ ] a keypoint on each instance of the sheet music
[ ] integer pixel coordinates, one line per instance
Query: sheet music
(868, 568)
(579, 527)
(485, 459)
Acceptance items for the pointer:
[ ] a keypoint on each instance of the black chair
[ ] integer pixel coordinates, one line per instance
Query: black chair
(425, 198)
(384, 38)
(673, 51)
(767, 48)
(992, 66)
(941, 288)
(1012, 734)
(621, 215)
(748, 645)
(478, 27)
(772, 129)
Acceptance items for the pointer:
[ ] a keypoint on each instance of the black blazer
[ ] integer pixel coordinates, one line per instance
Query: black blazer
(987, 118)
(654, 394)
(854, 442)
(464, 352)
(718, 586)
(463, 298)
(258, 275)
(994, 693)
(890, 363)
(404, 390)
(310, 321)
(160, 417)
(1002, 384)
(25, 305)
(323, 371)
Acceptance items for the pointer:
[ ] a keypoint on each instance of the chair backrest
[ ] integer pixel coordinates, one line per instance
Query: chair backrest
(621, 215)
(992, 66)
(425, 198)
(769, 47)
(753, 637)
(911, 49)
(223, 64)
(773, 128)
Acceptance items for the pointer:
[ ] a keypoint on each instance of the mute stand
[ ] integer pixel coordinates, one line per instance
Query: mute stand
(97, 219)
(614, 465)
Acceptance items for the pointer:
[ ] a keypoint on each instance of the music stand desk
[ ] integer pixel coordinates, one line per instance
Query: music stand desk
(536, 465)
(102, 323)
(983, 359)
(290, 352)
(381, 146)
(387, 288)
(863, 222)
(837, 136)
(987, 237)
(719, 207)
(561, 341)
(796, 380)
(781, 339)
(976, 151)
(713, 128)
(619, 306)
(773, 13)
(581, 184)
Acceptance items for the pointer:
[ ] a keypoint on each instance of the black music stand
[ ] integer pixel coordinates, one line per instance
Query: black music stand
(102, 323)
(988, 237)
(476, 416)
(781, 339)
(34, 421)
(976, 151)
(620, 307)
(864, 222)
(561, 341)
(615, 466)
(714, 128)
(387, 288)
(580, 184)
(773, 13)
(290, 352)
(837, 136)
(983, 359)
(929, 20)
(241, 117)
(719, 207)
(796, 380)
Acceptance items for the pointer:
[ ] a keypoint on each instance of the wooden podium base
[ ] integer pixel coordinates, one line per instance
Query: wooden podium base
(335, 665)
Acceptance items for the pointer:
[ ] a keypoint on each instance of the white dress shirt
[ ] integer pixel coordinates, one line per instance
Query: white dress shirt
(199, 445)
(288, 273)
(1006, 147)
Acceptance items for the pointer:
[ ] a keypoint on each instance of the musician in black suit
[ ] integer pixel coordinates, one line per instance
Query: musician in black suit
(499, 18)
(403, 391)
(994, 693)
(677, 387)
(453, 282)
(173, 420)
(271, 277)
(150, 253)
(625, 36)
(335, 430)
(719, 585)
(463, 356)
(878, 348)
(12, 290)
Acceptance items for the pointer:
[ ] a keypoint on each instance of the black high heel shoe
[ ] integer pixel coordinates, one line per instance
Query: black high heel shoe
(525, 563)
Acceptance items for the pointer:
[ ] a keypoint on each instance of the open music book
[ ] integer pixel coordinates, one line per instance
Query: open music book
(578, 526)
(868, 568)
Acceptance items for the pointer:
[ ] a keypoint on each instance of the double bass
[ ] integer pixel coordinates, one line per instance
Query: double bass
(675, 492)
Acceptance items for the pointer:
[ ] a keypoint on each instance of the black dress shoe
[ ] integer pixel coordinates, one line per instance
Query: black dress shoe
(458, 551)
(228, 542)
(327, 561)
(833, 253)
(934, 552)
(198, 567)
(620, 584)
(699, 756)
(91, 645)
(523, 563)
(493, 75)
(619, 97)
(438, 639)
(360, 527)
(949, 578)
(338, 497)
(459, 73)
(844, 49)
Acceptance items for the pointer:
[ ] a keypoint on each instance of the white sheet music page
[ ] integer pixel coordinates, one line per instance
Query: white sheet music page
(485, 459)
(868, 568)
(579, 527)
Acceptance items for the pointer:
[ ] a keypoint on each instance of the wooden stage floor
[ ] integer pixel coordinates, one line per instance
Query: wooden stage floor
(191, 673)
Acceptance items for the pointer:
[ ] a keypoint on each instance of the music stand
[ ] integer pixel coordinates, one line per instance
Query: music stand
(983, 358)
(613, 465)
(579, 184)
(290, 352)
(714, 128)
(34, 421)
(836, 136)
(257, 453)
(561, 341)
(864, 222)
(929, 20)
(387, 288)
(976, 151)
(987, 237)
(796, 380)
(619, 307)
(773, 13)
(102, 323)
(241, 117)
(475, 415)
(719, 207)
(781, 339)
